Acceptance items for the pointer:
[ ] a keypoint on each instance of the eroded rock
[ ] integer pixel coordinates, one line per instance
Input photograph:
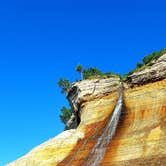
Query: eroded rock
(86, 90)
(140, 136)
(155, 72)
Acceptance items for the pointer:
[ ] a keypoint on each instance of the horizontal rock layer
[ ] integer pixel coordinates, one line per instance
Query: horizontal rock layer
(155, 72)
(140, 138)
(87, 90)
(73, 145)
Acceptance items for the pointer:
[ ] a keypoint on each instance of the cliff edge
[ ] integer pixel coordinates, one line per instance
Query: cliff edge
(140, 134)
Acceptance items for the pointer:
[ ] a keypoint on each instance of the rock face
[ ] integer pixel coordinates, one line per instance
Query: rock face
(155, 72)
(87, 90)
(140, 137)
(52, 151)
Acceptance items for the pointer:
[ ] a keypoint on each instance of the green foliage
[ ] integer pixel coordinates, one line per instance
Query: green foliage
(65, 85)
(79, 69)
(146, 61)
(139, 65)
(126, 75)
(154, 56)
(91, 72)
(115, 84)
(65, 114)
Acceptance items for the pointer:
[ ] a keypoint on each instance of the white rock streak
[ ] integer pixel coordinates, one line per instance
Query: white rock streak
(98, 151)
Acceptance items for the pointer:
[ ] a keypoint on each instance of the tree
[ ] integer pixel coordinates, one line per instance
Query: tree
(65, 85)
(65, 114)
(79, 69)
(139, 65)
(91, 72)
(149, 58)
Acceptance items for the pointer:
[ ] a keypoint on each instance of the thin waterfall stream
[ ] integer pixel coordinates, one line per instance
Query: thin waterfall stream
(98, 151)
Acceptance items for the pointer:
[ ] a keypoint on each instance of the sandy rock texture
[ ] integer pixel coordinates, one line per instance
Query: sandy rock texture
(140, 138)
(155, 72)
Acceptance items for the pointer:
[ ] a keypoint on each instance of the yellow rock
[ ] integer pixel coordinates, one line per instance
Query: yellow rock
(140, 137)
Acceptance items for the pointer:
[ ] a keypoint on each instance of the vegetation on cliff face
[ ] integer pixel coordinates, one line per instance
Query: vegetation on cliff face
(93, 73)
(65, 114)
(146, 61)
(65, 85)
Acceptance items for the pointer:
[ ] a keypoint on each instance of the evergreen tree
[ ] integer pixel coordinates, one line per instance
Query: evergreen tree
(65, 85)
(79, 69)
(90, 72)
(65, 114)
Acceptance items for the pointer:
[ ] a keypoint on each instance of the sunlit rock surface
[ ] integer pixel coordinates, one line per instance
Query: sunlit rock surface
(88, 90)
(155, 72)
(140, 138)
(72, 145)
(52, 151)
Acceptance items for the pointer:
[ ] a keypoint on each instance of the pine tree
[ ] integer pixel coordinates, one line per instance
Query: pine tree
(65, 85)
(79, 69)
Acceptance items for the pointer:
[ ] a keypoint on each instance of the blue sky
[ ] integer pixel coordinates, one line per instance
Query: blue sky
(41, 41)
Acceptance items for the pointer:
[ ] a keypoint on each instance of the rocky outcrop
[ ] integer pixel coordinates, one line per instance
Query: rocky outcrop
(87, 90)
(95, 104)
(140, 135)
(155, 72)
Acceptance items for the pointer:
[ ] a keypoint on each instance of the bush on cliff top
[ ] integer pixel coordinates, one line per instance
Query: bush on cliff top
(93, 72)
(153, 56)
(146, 61)
(65, 85)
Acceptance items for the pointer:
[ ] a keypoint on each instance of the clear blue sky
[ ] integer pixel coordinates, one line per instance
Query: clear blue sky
(41, 41)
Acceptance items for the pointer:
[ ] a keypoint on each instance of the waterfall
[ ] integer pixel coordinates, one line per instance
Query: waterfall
(96, 155)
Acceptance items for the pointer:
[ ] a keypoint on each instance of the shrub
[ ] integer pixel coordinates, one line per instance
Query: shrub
(91, 72)
(153, 56)
(65, 114)
(139, 65)
(65, 85)
(146, 61)
(79, 69)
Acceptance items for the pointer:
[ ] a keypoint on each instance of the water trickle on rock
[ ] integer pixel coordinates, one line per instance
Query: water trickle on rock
(96, 155)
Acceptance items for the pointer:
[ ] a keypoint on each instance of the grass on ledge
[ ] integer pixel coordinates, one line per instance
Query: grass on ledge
(146, 62)
(102, 75)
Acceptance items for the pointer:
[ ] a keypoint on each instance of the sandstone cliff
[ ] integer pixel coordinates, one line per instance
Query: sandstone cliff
(140, 137)
(155, 72)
